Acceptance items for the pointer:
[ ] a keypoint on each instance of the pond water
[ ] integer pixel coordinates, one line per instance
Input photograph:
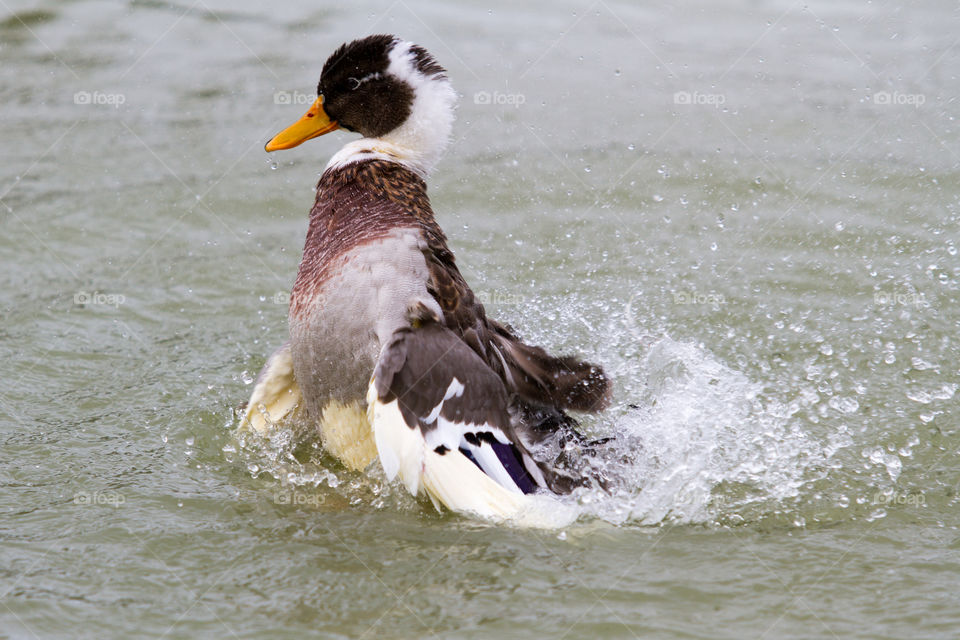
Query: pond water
(747, 211)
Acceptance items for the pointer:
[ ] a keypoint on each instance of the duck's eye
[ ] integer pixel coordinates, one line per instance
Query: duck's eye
(354, 83)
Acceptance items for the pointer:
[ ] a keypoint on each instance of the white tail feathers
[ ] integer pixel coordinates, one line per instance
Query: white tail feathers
(400, 448)
(460, 485)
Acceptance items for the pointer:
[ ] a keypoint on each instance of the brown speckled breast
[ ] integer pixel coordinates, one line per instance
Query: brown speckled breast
(355, 205)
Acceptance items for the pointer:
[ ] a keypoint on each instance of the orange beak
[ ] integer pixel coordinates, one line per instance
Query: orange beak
(315, 122)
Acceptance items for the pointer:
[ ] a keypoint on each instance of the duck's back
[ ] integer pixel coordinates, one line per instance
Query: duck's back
(363, 267)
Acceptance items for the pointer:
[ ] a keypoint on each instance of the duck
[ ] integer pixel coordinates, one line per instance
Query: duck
(391, 356)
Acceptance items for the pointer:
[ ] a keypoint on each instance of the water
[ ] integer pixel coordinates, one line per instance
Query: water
(748, 212)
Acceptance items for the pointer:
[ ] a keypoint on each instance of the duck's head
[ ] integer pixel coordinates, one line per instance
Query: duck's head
(392, 92)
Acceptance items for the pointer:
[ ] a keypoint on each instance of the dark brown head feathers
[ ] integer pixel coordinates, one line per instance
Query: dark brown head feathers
(358, 91)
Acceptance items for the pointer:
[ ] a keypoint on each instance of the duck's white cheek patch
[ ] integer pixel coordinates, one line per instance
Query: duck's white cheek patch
(426, 132)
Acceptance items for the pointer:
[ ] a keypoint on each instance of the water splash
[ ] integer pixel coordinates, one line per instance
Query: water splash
(700, 444)
(292, 459)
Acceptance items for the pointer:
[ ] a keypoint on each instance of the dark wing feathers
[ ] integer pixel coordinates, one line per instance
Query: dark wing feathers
(448, 392)
(532, 373)
(418, 366)
(564, 382)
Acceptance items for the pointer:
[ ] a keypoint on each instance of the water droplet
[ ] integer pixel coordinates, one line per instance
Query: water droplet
(838, 226)
(657, 197)
(631, 147)
(713, 246)
(189, 441)
(876, 515)
(587, 169)
(273, 163)
(843, 405)
(945, 392)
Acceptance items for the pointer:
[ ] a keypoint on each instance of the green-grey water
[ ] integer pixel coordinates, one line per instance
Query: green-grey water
(747, 211)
